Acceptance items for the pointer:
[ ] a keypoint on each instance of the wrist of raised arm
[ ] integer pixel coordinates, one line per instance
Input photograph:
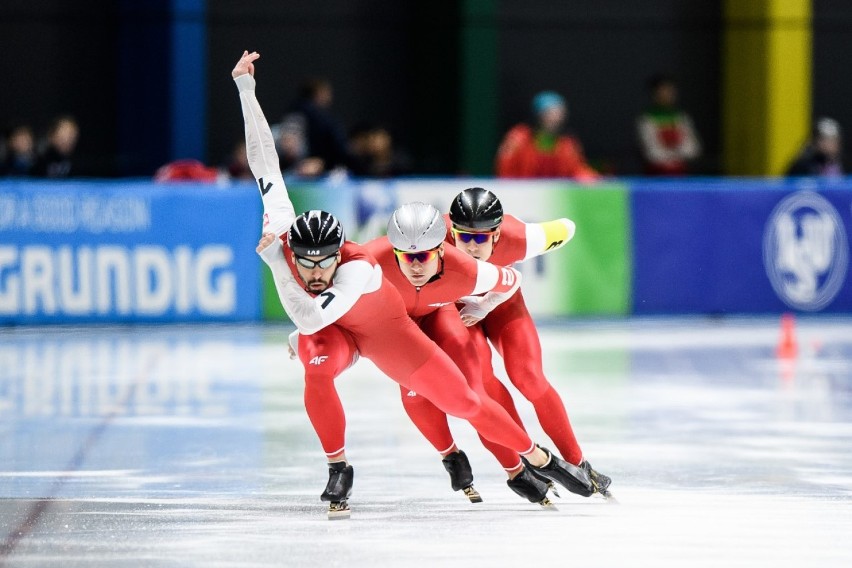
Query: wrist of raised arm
(245, 82)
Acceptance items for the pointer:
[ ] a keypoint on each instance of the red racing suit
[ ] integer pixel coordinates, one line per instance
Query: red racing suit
(511, 330)
(432, 306)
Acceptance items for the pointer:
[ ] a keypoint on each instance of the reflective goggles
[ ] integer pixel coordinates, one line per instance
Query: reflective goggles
(467, 236)
(422, 257)
(321, 263)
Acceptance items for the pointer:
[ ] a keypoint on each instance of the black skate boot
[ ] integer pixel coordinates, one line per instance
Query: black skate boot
(461, 476)
(338, 490)
(573, 478)
(532, 488)
(550, 485)
(600, 481)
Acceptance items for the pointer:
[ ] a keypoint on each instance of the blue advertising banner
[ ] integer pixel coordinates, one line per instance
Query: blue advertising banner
(78, 252)
(741, 246)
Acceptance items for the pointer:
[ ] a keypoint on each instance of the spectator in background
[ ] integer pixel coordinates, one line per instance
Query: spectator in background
(372, 153)
(187, 169)
(238, 166)
(324, 137)
(54, 161)
(18, 156)
(543, 151)
(821, 156)
(667, 138)
(291, 143)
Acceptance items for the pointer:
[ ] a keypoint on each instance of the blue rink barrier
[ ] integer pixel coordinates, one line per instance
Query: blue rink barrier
(741, 246)
(129, 251)
(135, 251)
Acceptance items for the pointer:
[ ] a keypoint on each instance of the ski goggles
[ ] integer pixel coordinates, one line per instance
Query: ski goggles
(467, 236)
(321, 263)
(422, 257)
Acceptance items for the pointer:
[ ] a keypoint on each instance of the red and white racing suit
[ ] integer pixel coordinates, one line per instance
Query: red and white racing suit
(359, 312)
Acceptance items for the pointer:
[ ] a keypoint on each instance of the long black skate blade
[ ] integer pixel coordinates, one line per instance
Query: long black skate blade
(552, 487)
(608, 496)
(338, 510)
(472, 494)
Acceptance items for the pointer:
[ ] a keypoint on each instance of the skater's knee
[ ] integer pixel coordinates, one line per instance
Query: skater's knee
(531, 385)
(463, 405)
(319, 382)
(460, 401)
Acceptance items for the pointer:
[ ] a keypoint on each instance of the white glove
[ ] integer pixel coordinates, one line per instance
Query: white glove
(473, 310)
(293, 348)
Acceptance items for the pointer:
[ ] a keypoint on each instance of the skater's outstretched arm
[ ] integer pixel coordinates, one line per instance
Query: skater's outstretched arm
(278, 213)
(548, 236)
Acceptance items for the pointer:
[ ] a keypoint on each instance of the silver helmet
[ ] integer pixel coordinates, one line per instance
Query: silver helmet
(416, 226)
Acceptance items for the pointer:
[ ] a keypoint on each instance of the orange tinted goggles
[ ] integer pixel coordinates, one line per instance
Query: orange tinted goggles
(422, 257)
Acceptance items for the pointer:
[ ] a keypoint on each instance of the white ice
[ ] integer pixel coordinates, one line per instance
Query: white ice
(189, 446)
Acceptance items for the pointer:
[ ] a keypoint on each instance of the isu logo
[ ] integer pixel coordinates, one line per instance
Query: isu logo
(805, 251)
(318, 360)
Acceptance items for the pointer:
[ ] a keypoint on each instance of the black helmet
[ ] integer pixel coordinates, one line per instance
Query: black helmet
(476, 208)
(315, 233)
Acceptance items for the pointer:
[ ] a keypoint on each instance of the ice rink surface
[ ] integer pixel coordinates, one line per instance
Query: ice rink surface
(189, 446)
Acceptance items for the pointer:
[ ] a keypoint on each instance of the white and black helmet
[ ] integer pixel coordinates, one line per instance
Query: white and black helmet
(416, 227)
(315, 233)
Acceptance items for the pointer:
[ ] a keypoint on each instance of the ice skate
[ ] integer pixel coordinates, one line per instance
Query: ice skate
(338, 490)
(532, 488)
(461, 475)
(573, 478)
(600, 481)
(550, 485)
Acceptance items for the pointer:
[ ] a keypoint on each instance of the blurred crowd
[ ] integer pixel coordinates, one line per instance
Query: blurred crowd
(312, 142)
(24, 154)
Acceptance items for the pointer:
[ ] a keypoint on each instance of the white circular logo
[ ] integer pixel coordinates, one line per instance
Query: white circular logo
(805, 251)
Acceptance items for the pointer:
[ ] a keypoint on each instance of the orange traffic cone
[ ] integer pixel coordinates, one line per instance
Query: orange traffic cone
(787, 346)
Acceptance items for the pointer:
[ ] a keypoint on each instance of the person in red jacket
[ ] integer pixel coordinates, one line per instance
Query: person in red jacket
(476, 225)
(430, 279)
(543, 152)
(335, 293)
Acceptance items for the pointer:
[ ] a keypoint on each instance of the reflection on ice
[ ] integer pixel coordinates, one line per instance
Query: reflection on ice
(190, 446)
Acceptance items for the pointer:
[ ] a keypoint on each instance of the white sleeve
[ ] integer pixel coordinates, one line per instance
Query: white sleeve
(498, 284)
(263, 161)
(690, 148)
(652, 150)
(293, 340)
(549, 236)
(312, 313)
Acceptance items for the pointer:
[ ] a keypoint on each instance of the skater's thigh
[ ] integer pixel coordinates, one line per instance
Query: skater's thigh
(329, 351)
(397, 352)
(444, 327)
(510, 328)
